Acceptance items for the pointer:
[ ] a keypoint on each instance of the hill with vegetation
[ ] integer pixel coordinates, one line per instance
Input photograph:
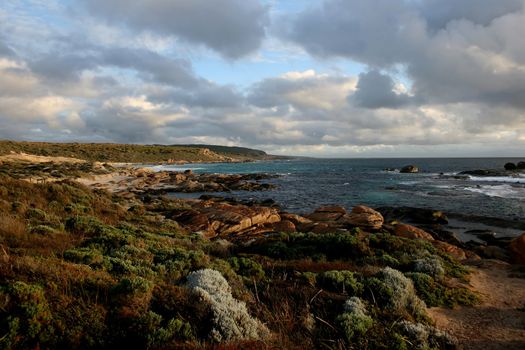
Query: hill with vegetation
(130, 153)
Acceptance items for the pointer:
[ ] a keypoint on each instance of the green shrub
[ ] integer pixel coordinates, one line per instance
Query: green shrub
(354, 321)
(86, 256)
(341, 281)
(435, 294)
(247, 268)
(27, 320)
(87, 225)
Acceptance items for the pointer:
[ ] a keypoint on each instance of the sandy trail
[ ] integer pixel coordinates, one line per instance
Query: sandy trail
(31, 158)
(497, 323)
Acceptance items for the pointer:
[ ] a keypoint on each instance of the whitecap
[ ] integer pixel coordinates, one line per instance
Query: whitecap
(509, 179)
(501, 191)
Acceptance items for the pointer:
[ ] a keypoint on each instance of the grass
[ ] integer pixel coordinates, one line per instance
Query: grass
(87, 269)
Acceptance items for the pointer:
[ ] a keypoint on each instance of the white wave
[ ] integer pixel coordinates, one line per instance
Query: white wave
(501, 191)
(509, 179)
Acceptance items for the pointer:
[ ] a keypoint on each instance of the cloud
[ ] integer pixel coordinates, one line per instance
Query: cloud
(376, 90)
(453, 51)
(233, 28)
(5, 50)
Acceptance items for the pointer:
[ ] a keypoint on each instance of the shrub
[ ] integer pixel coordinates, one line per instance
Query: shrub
(86, 256)
(87, 225)
(28, 318)
(401, 294)
(424, 337)
(354, 321)
(247, 268)
(344, 281)
(230, 317)
(431, 265)
(435, 294)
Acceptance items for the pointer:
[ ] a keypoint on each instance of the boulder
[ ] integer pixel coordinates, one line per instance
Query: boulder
(409, 169)
(494, 252)
(521, 165)
(412, 232)
(510, 166)
(452, 250)
(517, 250)
(285, 226)
(295, 219)
(364, 217)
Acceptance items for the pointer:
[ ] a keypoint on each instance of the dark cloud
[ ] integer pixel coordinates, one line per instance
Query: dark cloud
(231, 27)
(5, 50)
(369, 31)
(438, 13)
(453, 51)
(376, 90)
(154, 67)
(150, 65)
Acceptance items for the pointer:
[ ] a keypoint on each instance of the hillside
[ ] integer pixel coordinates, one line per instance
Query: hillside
(128, 153)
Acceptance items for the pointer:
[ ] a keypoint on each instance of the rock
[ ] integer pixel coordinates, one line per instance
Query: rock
(452, 250)
(324, 216)
(285, 226)
(493, 252)
(521, 165)
(331, 209)
(188, 172)
(412, 232)
(409, 169)
(364, 217)
(510, 166)
(324, 227)
(295, 219)
(517, 250)
(413, 215)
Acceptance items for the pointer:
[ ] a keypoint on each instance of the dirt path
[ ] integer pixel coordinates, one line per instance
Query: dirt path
(496, 323)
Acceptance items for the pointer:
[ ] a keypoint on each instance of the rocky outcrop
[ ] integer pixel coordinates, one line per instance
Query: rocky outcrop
(409, 169)
(363, 217)
(517, 249)
(412, 232)
(452, 250)
(214, 219)
(510, 166)
(521, 165)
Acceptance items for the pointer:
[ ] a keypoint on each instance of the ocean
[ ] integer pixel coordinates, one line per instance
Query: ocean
(306, 184)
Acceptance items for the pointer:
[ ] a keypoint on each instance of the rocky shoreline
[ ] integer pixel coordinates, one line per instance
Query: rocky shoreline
(166, 271)
(226, 218)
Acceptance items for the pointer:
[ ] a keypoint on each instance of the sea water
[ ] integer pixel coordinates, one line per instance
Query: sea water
(306, 184)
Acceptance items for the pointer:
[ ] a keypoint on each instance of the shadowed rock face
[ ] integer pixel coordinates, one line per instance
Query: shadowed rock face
(517, 250)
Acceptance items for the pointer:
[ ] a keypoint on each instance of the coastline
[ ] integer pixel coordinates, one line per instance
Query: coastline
(245, 240)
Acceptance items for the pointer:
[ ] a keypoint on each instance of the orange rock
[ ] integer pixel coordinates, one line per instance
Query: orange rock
(517, 249)
(412, 232)
(324, 216)
(455, 252)
(331, 209)
(284, 226)
(363, 217)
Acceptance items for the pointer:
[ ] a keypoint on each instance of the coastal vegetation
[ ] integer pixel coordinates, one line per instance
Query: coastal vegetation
(86, 268)
(130, 153)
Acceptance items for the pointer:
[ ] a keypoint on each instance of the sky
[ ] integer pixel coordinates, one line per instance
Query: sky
(325, 78)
